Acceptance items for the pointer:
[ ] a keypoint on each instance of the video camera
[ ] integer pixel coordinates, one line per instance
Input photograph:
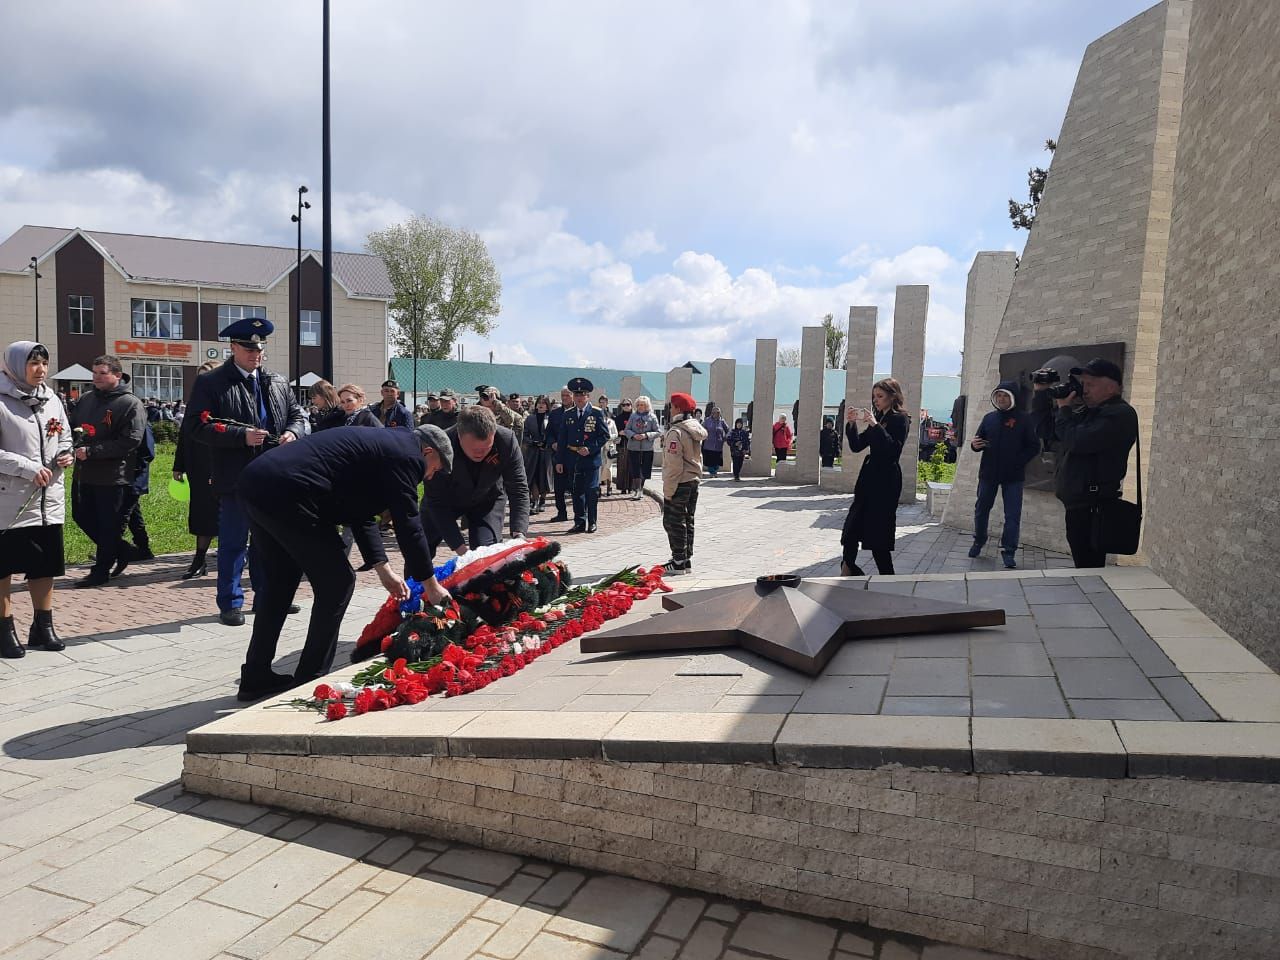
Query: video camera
(1059, 389)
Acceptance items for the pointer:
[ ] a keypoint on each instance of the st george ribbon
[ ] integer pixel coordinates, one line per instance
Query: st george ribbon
(798, 623)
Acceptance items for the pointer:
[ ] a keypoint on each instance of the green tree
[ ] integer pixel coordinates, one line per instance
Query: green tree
(835, 343)
(1023, 215)
(445, 283)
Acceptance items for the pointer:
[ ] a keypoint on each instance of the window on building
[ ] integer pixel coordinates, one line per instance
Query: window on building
(157, 319)
(309, 328)
(229, 313)
(160, 380)
(80, 313)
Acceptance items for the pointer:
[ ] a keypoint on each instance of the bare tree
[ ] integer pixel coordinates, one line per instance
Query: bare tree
(835, 342)
(445, 283)
(788, 356)
(1023, 215)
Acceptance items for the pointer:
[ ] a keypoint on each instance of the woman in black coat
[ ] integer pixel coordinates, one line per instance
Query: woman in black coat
(191, 458)
(872, 519)
(536, 443)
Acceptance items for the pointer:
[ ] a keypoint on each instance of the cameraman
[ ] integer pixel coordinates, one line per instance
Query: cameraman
(1091, 431)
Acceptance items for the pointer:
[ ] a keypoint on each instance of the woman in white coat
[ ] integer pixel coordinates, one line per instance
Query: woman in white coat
(35, 450)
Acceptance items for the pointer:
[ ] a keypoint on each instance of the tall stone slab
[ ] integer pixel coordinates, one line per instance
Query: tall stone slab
(1212, 514)
(1093, 267)
(679, 380)
(724, 373)
(763, 396)
(808, 428)
(910, 316)
(860, 365)
(632, 388)
(986, 297)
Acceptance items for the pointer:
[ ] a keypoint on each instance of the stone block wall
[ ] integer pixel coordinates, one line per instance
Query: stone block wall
(910, 319)
(860, 356)
(1057, 868)
(1213, 517)
(1092, 268)
(763, 396)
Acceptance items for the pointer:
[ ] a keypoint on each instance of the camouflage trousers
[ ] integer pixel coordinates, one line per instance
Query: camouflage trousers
(677, 520)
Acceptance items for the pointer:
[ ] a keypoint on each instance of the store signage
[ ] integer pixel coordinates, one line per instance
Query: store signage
(153, 348)
(212, 353)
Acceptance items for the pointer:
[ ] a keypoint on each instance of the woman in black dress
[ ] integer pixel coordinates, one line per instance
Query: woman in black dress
(537, 454)
(872, 519)
(193, 459)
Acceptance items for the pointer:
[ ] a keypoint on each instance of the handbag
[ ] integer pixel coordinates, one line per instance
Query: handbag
(1117, 524)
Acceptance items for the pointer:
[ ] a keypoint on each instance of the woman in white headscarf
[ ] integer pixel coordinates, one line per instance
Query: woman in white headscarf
(35, 450)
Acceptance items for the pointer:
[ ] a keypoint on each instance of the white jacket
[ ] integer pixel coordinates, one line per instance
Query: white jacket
(25, 446)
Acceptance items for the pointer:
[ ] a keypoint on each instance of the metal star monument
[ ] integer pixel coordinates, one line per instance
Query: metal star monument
(799, 623)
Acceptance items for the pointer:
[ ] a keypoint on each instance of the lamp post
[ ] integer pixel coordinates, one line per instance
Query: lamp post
(326, 220)
(35, 277)
(297, 297)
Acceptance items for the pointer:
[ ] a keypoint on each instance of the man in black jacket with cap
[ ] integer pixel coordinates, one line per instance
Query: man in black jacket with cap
(265, 415)
(296, 498)
(1092, 440)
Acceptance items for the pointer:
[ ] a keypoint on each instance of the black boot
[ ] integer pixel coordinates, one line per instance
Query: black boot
(10, 647)
(42, 636)
(198, 567)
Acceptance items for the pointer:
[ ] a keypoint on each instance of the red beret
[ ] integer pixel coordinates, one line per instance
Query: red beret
(683, 402)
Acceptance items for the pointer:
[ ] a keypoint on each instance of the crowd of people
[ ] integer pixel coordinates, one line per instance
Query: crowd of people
(287, 509)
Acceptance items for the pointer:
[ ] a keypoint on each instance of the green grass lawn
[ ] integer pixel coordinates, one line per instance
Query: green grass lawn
(165, 517)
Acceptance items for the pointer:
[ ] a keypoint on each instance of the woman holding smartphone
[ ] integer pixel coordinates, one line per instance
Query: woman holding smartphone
(872, 519)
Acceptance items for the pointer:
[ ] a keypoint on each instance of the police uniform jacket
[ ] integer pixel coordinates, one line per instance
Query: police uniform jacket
(346, 477)
(227, 393)
(472, 487)
(582, 428)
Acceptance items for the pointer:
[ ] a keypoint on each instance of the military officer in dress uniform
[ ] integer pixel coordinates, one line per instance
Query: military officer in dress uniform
(583, 434)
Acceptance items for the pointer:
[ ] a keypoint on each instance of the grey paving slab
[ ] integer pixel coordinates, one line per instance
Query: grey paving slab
(1121, 710)
(1010, 660)
(1018, 697)
(863, 657)
(1074, 615)
(842, 695)
(952, 591)
(1088, 642)
(926, 706)
(1182, 697)
(1014, 630)
(929, 677)
(933, 645)
(1150, 658)
(1103, 679)
(1041, 593)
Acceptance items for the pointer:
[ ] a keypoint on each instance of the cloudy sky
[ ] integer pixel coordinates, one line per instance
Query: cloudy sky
(656, 181)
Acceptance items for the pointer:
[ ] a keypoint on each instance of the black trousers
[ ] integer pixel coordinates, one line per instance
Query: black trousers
(132, 519)
(561, 484)
(290, 543)
(737, 465)
(677, 520)
(482, 524)
(98, 512)
(1080, 538)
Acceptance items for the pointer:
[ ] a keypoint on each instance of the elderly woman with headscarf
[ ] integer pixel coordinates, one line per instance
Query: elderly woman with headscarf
(35, 449)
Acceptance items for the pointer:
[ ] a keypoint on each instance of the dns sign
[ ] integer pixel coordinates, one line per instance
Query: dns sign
(151, 348)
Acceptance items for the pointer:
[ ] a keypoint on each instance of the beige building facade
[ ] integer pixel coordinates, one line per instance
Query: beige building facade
(159, 302)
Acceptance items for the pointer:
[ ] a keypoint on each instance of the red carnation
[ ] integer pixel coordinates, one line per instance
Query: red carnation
(324, 692)
(364, 700)
(204, 416)
(220, 428)
(90, 430)
(336, 710)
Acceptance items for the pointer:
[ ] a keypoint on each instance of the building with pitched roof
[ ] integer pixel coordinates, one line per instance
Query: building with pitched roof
(159, 302)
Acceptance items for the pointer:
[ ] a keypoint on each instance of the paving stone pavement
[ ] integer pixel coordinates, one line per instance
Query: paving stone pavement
(104, 856)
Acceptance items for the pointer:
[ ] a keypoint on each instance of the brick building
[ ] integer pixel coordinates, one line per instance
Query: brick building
(159, 302)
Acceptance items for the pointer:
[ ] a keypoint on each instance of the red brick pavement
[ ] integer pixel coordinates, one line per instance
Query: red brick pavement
(151, 594)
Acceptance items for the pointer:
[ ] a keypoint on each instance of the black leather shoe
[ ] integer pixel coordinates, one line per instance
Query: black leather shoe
(591, 528)
(293, 608)
(121, 562)
(42, 635)
(143, 553)
(256, 688)
(196, 570)
(233, 617)
(92, 580)
(10, 646)
(576, 528)
(560, 518)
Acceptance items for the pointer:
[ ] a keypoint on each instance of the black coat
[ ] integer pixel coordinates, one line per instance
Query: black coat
(337, 417)
(347, 477)
(538, 457)
(872, 519)
(119, 421)
(226, 393)
(829, 443)
(464, 490)
(1011, 442)
(195, 459)
(1092, 446)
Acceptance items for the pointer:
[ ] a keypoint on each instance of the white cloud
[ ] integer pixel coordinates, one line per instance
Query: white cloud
(637, 243)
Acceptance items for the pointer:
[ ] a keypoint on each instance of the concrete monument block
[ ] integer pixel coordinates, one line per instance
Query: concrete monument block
(632, 388)
(986, 296)
(762, 402)
(679, 380)
(724, 373)
(860, 358)
(1212, 517)
(910, 315)
(808, 426)
(1090, 274)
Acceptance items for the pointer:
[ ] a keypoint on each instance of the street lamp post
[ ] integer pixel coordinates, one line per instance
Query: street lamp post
(297, 296)
(326, 220)
(35, 277)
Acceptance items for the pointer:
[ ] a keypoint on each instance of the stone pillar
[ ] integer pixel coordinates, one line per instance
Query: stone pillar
(986, 296)
(762, 401)
(679, 380)
(724, 373)
(808, 428)
(632, 388)
(860, 370)
(910, 311)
